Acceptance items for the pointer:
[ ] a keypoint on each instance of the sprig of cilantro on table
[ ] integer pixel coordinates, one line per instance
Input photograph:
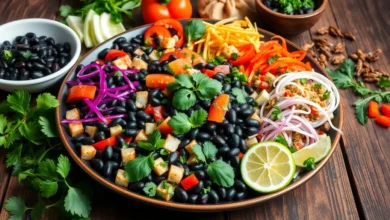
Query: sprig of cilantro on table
(220, 172)
(343, 79)
(29, 136)
(187, 88)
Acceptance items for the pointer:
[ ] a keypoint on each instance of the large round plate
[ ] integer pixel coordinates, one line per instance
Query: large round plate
(85, 165)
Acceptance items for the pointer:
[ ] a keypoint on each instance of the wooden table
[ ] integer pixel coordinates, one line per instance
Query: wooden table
(354, 184)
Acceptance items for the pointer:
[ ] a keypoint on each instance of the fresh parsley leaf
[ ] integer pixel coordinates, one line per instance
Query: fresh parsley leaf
(276, 113)
(303, 81)
(310, 163)
(240, 95)
(221, 173)
(235, 56)
(48, 127)
(13, 156)
(130, 5)
(38, 209)
(280, 139)
(207, 88)
(164, 152)
(145, 145)
(384, 82)
(348, 68)
(206, 190)
(3, 123)
(6, 55)
(180, 123)
(66, 10)
(16, 207)
(77, 203)
(63, 166)
(48, 188)
(154, 137)
(217, 60)
(194, 29)
(237, 75)
(19, 101)
(209, 150)
(139, 168)
(182, 159)
(361, 110)
(47, 168)
(197, 118)
(184, 80)
(31, 131)
(183, 99)
(197, 149)
(326, 94)
(150, 189)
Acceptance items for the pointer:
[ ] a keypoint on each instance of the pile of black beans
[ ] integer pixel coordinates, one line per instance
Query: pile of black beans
(276, 6)
(32, 57)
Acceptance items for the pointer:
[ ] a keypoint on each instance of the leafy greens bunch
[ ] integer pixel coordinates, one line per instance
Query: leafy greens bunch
(343, 79)
(29, 136)
(115, 7)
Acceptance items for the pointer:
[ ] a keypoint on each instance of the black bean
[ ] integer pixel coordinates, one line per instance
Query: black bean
(200, 174)
(239, 185)
(107, 153)
(184, 142)
(239, 196)
(238, 130)
(186, 169)
(79, 67)
(141, 115)
(226, 87)
(231, 116)
(251, 131)
(148, 178)
(97, 164)
(224, 150)
(20, 64)
(14, 74)
(230, 193)
(236, 84)
(120, 40)
(234, 141)
(114, 164)
(120, 141)
(248, 89)
(243, 146)
(181, 195)
(99, 154)
(229, 129)
(116, 156)
(211, 127)
(136, 41)
(107, 169)
(210, 66)
(221, 192)
(202, 199)
(250, 100)
(197, 188)
(119, 110)
(193, 198)
(203, 136)
(193, 133)
(155, 102)
(250, 122)
(131, 125)
(158, 179)
(235, 162)
(50, 59)
(2, 74)
(198, 166)
(46, 71)
(218, 140)
(67, 47)
(115, 122)
(137, 186)
(62, 61)
(245, 113)
(140, 124)
(37, 74)
(213, 196)
(207, 183)
(130, 132)
(101, 126)
(173, 157)
(87, 141)
(23, 40)
(199, 66)
(131, 116)
(130, 105)
(234, 152)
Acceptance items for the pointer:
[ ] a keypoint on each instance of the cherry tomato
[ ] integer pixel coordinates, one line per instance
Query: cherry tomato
(154, 10)
(155, 31)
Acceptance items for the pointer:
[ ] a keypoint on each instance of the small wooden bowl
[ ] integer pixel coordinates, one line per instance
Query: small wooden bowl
(289, 25)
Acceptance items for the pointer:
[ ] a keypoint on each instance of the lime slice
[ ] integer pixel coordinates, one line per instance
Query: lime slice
(268, 167)
(109, 28)
(96, 30)
(77, 24)
(88, 37)
(318, 150)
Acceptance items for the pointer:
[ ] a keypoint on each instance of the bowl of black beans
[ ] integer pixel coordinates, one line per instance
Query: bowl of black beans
(290, 17)
(35, 54)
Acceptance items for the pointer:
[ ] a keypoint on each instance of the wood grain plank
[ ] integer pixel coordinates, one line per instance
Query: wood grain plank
(4, 177)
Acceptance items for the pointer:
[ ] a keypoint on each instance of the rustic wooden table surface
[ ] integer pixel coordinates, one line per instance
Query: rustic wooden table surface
(354, 184)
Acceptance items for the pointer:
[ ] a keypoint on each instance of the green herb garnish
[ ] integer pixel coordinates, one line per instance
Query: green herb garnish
(150, 189)
(276, 113)
(310, 163)
(182, 124)
(240, 95)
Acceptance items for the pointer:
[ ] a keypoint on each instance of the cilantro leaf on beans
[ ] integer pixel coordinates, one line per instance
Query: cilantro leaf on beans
(197, 149)
(183, 99)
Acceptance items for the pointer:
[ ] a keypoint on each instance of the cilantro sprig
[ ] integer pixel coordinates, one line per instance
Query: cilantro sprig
(194, 30)
(240, 95)
(33, 151)
(280, 139)
(182, 124)
(343, 79)
(309, 163)
(220, 172)
(276, 113)
(187, 88)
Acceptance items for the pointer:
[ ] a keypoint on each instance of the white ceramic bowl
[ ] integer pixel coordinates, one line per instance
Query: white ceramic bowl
(58, 31)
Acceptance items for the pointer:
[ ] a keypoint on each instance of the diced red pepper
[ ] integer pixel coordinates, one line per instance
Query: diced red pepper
(383, 120)
(127, 139)
(81, 92)
(157, 112)
(240, 155)
(264, 85)
(111, 141)
(218, 108)
(189, 182)
(114, 53)
(164, 127)
(385, 109)
(209, 73)
(149, 109)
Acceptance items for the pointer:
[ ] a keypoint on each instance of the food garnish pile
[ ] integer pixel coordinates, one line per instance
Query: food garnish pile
(200, 113)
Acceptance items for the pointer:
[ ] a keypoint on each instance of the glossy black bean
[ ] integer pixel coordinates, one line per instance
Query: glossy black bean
(11, 61)
(50, 59)
(22, 46)
(226, 87)
(67, 47)
(251, 131)
(131, 116)
(198, 166)
(240, 121)
(193, 133)
(97, 164)
(155, 102)
(120, 40)
(115, 47)
(79, 67)
(213, 196)
(115, 122)
(101, 126)
(145, 57)
(236, 84)
(2, 74)
(51, 41)
(231, 116)
(120, 141)
(148, 178)
(62, 61)
(238, 131)
(120, 110)
(36, 74)
(221, 192)
(245, 113)
(137, 186)
(141, 115)
(140, 124)
(186, 170)
(131, 125)
(248, 89)
(218, 140)
(250, 100)
(193, 198)
(235, 162)
(199, 66)
(99, 154)
(234, 152)
(3, 64)
(19, 64)
(158, 179)
(211, 127)
(230, 193)
(130, 132)
(14, 74)
(200, 174)
(234, 141)
(46, 71)
(243, 146)
(203, 136)
(224, 150)
(197, 188)
(239, 185)
(130, 105)
(107, 169)
(239, 196)
(87, 141)
(181, 195)
(108, 153)
(202, 199)
(210, 66)
(229, 129)
(173, 157)
(42, 38)
(250, 122)
(136, 41)
(23, 74)
(23, 40)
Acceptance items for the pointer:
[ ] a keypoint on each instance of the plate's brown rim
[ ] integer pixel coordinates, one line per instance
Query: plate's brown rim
(183, 206)
(294, 17)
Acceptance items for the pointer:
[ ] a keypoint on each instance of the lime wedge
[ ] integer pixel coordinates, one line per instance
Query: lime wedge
(318, 150)
(268, 167)
(109, 28)
(88, 37)
(77, 24)
(96, 30)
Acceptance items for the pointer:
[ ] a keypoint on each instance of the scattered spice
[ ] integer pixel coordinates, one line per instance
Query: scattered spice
(338, 59)
(372, 57)
(359, 67)
(322, 31)
(335, 32)
(349, 36)
(339, 48)
(354, 57)
(308, 46)
(323, 60)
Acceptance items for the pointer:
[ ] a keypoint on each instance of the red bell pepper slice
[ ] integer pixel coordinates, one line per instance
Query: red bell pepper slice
(81, 92)
(157, 112)
(247, 52)
(111, 141)
(114, 53)
(164, 127)
(383, 120)
(209, 73)
(373, 109)
(189, 182)
(218, 108)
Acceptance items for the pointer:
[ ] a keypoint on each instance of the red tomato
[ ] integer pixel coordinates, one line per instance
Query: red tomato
(247, 52)
(175, 24)
(154, 10)
(158, 81)
(114, 53)
(158, 113)
(218, 108)
(155, 31)
(222, 68)
(111, 141)
(81, 92)
(189, 182)
(178, 54)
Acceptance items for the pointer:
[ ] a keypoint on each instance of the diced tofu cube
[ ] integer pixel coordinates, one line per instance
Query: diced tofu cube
(88, 152)
(228, 51)
(256, 116)
(168, 50)
(127, 61)
(139, 52)
(160, 166)
(121, 179)
(149, 128)
(176, 38)
(254, 95)
(120, 63)
(175, 174)
(127, 154)
(141, 99)
(141, 136)
(154, 55)
(190, 146)
(165, 191)
(91, 130)
(116, 130)
(192, 160)
(167, 42)
(138, 64)
(73, 114)
(171, 143)
(76, 128)
(263, 97)
(269, 77)
(251, 141)
(191, 71)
